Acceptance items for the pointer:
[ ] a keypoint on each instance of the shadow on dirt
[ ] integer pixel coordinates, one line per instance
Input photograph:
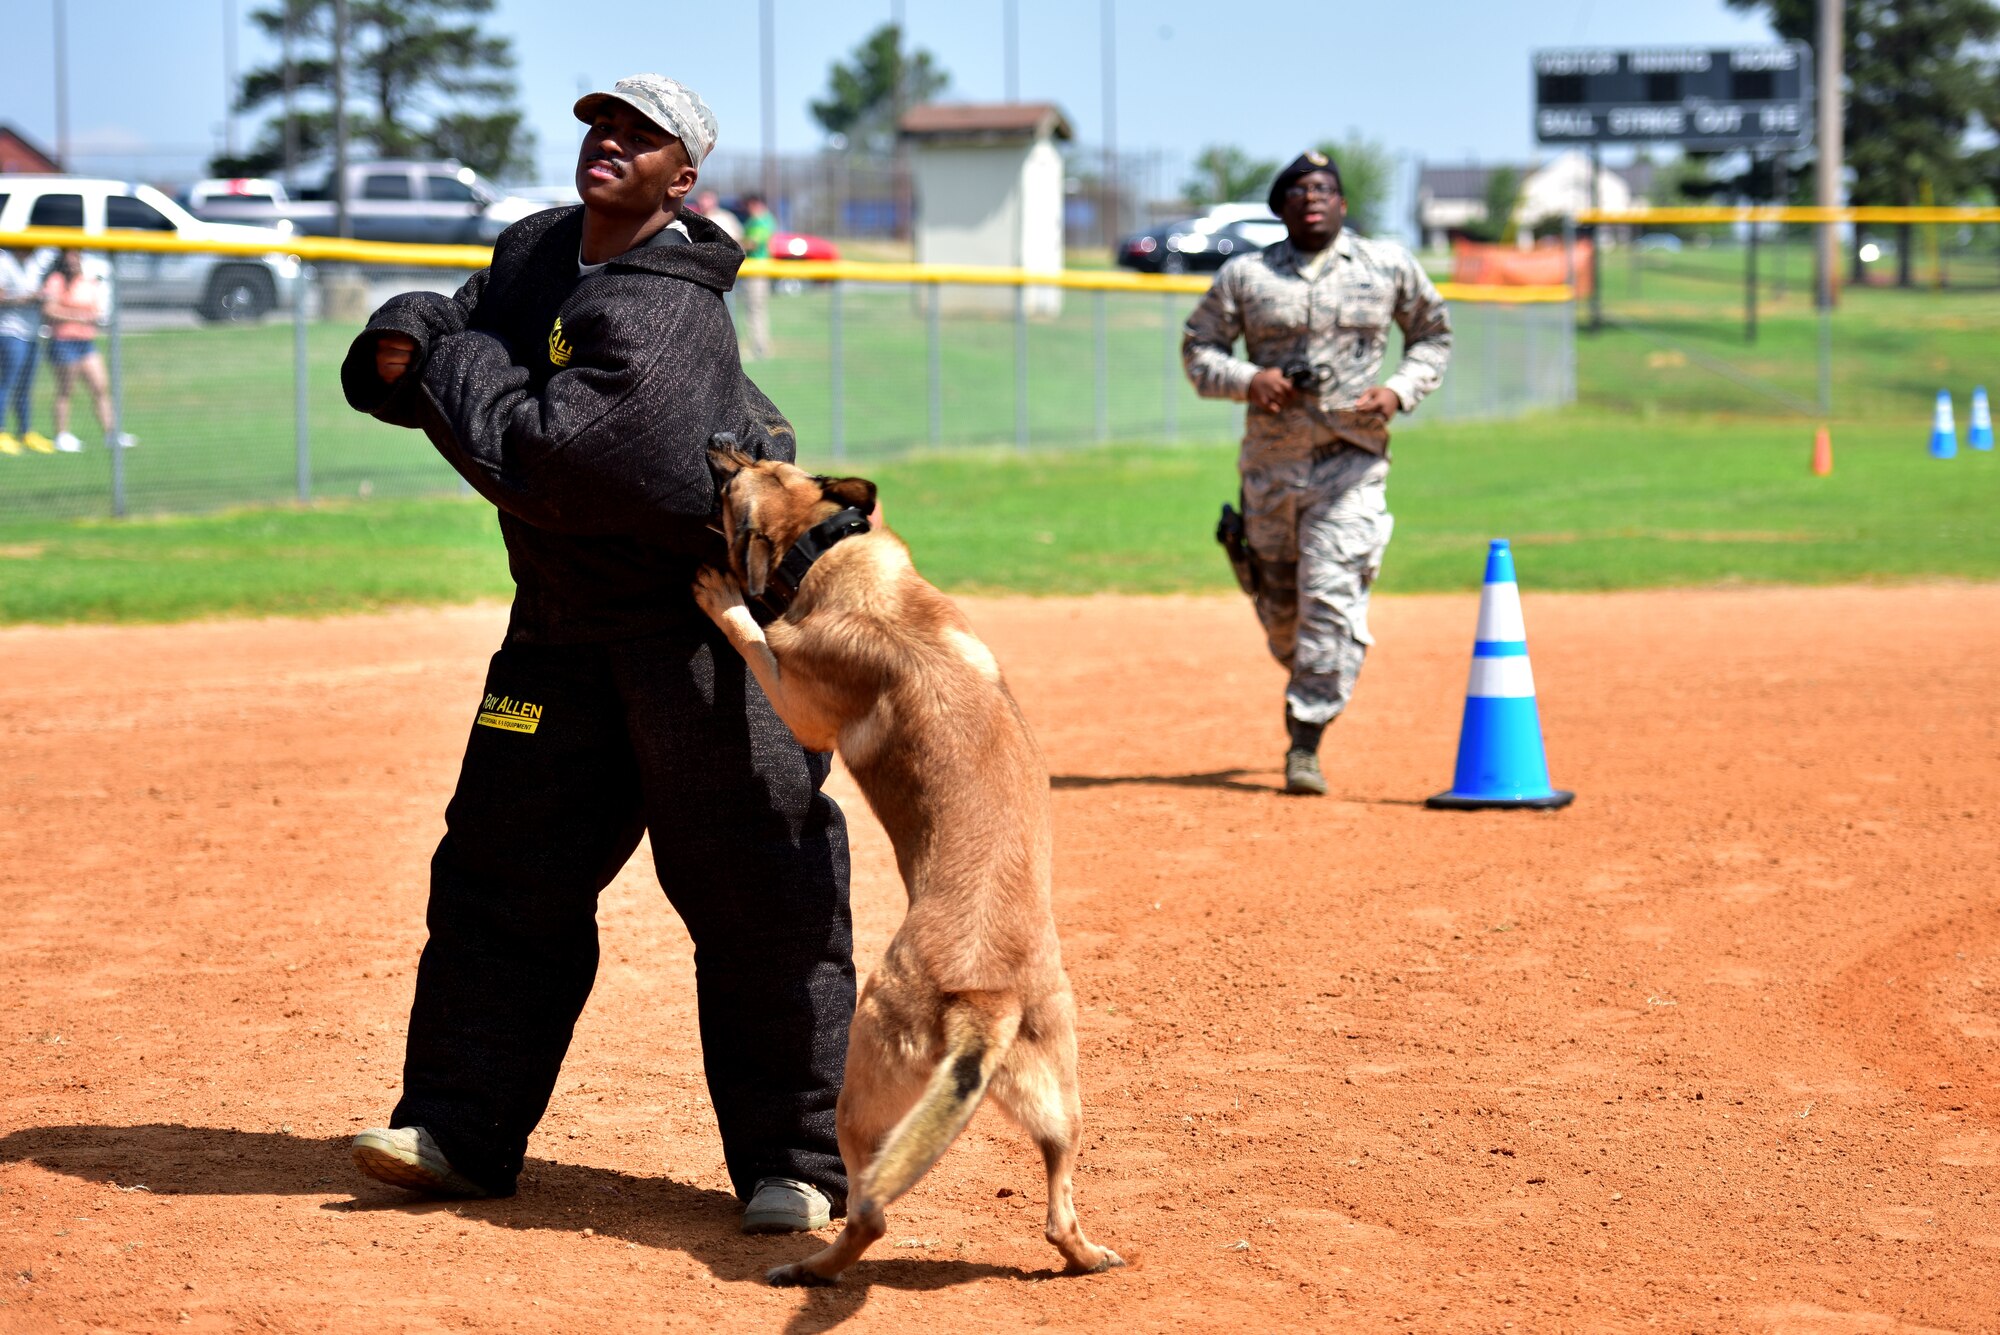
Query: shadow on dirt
(1234, 780)
(1222, 778)
(172, 1160)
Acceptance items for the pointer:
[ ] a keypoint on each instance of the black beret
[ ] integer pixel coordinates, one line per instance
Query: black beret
(1305, 164)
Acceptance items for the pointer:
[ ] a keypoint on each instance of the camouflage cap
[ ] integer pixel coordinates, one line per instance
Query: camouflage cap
(1305, 164)
(668, 103)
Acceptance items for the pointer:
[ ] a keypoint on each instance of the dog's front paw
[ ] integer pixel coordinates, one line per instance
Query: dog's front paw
(716, 592)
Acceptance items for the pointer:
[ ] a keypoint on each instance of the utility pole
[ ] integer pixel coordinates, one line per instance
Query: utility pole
(62, 93)
(291, 88)
(1832, 38)
(229, 77)
(343, 225)
(1011, 16)
(1109, 43)
(899, 169)
(766, 67)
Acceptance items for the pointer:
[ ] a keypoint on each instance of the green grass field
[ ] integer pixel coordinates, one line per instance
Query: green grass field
(1665, 473)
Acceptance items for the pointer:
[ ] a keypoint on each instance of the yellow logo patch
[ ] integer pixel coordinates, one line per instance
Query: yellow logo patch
(559, 350)
(508, 714)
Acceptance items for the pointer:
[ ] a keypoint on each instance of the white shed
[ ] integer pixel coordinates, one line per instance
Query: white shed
(988, 182)
(1561, 188)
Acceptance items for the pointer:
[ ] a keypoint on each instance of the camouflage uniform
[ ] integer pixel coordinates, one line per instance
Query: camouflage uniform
(1315, 474)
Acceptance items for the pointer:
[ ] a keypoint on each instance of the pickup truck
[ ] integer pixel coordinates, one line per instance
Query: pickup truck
(437, 202)
(216, 287)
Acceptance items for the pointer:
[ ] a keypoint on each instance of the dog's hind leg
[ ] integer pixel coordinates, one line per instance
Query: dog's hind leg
(1037, 1086)
(875, 1094)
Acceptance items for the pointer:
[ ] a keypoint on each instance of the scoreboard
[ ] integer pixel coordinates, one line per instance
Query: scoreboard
(1699, 97)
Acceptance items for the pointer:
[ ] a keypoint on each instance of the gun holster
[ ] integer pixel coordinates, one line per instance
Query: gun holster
(1229, 531)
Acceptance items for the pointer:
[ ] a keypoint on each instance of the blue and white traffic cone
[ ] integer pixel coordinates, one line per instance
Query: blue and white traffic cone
(1944, 430)
(1980, 434)
(1500, 759)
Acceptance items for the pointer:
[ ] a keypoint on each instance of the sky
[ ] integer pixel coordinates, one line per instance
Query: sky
(1444, 81)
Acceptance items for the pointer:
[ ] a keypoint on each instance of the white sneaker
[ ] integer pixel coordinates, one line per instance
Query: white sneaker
(68, 443)
(786, 1205)
(406, 1156)
(124, 440)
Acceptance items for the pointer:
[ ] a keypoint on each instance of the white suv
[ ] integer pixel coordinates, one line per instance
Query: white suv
(216, 287)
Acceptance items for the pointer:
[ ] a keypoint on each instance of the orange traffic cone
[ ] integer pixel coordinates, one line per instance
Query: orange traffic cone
(1822, 463)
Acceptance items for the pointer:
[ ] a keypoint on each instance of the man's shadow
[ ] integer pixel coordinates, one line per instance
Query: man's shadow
(1235, 780)
(657, 1212)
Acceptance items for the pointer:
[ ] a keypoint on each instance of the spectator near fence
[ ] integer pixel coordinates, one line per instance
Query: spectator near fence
(709, 205)
(1313, 311)
(758, 228)
(75, 301)
(20, 330)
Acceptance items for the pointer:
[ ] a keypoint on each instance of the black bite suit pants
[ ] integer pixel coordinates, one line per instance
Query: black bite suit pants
(668, 735)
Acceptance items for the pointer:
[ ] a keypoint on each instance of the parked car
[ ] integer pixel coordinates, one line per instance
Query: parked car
(1199, 244)
(230, 187)
(1665, 243)
(216, 287)
(802, 246)
(392, 200)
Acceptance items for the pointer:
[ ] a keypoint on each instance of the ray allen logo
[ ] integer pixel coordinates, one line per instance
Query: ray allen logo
(559, 348)
(508, 714)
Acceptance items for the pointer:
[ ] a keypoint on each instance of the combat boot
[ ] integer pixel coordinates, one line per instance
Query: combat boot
(1302, 774)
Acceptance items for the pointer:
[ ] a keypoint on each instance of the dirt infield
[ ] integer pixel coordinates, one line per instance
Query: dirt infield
(1718, 1048)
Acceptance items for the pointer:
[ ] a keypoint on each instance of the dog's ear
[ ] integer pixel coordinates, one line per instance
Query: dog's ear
(725, 461)
(858, 492)
(756, 564)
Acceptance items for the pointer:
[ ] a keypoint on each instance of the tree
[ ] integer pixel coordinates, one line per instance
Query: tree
(437, 86)
(1922, 76)
(1503, 193)
(866, 92)
(1225, 172)
(1367, 175)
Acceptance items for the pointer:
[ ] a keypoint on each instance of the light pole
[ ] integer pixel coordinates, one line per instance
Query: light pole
(1012, 20)
(343, 226)
(770, 104)
(62, 92)
(1110, 45)
(229, 76)
(899, 168)
(1830, 142)
(291, 89)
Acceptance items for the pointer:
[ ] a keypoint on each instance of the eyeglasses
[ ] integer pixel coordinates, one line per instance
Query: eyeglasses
(1303, 191)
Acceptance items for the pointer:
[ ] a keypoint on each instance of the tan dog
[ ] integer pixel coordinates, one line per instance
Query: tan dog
(971, 995)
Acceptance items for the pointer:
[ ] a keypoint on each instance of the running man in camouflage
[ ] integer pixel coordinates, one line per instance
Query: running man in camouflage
(1313, 312)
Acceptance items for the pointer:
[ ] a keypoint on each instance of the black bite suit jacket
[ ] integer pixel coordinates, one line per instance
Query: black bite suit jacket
(583, 409)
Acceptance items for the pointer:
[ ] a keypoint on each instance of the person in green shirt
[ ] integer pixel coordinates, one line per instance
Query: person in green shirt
(758, 225)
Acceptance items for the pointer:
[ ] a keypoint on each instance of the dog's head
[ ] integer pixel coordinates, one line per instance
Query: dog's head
(767, 505)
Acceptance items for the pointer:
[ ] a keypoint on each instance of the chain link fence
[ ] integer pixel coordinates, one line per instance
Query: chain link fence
(869, 362)
(1716, 309)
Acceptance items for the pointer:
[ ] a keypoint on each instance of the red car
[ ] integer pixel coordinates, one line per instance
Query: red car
(801, 246)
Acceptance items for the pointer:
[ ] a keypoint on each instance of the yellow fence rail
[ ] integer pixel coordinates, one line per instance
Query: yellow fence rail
(1785, 213)
(335, 249)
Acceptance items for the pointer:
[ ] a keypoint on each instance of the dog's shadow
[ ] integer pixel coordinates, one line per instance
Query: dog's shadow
(656, 1212)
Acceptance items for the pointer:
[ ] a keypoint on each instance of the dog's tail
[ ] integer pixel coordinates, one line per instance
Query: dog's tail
(976, 1038)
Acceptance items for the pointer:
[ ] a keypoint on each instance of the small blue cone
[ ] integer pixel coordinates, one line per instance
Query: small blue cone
(1944, 431)
(1980, 434)
(1500, 759)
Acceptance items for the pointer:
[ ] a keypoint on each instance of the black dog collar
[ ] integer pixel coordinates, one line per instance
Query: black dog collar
(783, 584)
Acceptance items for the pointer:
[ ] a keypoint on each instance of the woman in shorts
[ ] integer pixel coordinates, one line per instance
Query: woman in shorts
(74, 302)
